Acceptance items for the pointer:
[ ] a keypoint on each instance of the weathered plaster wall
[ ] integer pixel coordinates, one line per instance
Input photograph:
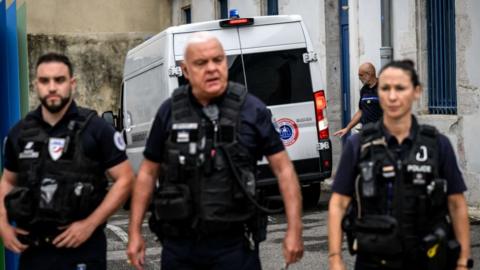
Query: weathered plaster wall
(332, 73)
(92, 16)
(177, 10)
(98, 64)
(246, 8)
(96, 36)
(468, 92)
(203, 10)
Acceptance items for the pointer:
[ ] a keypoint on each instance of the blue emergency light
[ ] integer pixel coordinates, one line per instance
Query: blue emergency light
(234, 13)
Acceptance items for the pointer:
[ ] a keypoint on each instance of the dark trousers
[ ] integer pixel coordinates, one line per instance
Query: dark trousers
(92, 253)
(215, 253)
(370, 263)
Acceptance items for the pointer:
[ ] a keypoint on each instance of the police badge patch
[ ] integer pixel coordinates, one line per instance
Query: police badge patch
(118, 141)
(55, 147)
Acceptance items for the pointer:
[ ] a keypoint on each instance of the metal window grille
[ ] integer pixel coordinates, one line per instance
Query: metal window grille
(442, 93)
(272, 7)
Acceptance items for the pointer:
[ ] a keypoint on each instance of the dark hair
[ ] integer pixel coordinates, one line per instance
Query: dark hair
(405, 65)
(55, 57)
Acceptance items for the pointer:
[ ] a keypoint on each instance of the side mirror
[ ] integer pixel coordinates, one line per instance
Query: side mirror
(109, 117)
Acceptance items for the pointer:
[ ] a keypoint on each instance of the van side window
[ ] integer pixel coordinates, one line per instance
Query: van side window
(278, 77)
(140, 109)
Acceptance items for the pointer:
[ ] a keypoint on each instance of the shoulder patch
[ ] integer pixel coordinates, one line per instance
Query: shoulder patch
(118, 141)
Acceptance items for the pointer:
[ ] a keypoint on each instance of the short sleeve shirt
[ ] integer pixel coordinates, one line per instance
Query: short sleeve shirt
(369, 104)
(100, 140)
(347, 170)
(256, 132)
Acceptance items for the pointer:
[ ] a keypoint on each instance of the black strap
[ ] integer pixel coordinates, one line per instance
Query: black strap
(244, 190)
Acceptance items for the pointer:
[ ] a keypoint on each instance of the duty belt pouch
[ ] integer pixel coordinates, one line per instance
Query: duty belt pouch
(378, 234)
(84, 199)
(19, 205)
(172, 202)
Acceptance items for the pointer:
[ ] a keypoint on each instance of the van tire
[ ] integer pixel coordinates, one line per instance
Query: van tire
(311, 195)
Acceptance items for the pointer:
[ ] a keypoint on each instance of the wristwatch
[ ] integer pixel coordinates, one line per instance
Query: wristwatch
(468, 265)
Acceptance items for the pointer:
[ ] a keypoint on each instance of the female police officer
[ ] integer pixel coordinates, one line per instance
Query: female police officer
(402, 187)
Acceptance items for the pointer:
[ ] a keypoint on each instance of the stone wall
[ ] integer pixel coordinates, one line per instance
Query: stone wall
(98, 61)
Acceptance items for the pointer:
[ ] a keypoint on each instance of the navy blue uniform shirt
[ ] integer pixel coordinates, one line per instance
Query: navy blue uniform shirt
(347, 170)
(256, 131)
(98, 139)
(369, 104)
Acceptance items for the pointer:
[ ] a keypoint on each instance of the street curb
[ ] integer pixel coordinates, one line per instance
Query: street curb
(474, 213)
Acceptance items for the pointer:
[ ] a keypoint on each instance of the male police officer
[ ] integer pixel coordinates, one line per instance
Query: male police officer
(203, 145)
(54, 182)
(369, 109)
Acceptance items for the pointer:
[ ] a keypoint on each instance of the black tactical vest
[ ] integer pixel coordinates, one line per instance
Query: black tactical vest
(57, 183)
(401, 204)
(207, 175)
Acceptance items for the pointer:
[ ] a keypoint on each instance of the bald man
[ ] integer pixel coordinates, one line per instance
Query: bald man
(369, 106)
(203, 211)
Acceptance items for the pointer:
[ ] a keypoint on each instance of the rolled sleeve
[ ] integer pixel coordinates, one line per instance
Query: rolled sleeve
(155, 145)
(448, 168)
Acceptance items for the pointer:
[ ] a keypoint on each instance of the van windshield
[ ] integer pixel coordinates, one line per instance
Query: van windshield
(276, 77)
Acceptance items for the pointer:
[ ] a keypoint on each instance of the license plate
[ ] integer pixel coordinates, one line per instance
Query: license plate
(323, 146)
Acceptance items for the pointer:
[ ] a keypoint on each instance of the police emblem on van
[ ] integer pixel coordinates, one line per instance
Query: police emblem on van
(288, 130)
(55, 147)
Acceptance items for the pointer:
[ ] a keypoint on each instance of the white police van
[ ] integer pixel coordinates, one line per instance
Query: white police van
(272, 56)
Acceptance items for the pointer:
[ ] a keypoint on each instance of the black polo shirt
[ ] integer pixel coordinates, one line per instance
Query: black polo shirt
(98, 139)
(369, 104)
(256, 131)
(347, 170)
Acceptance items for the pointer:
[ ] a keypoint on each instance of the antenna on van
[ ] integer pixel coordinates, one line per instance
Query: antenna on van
(234, 14)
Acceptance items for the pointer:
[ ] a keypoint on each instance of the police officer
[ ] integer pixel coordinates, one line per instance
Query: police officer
(369, 109)
(54, 183)
(402, 187)
(204, 144)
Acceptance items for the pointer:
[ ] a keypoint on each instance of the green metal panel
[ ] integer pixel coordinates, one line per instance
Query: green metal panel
(2, 256)
(23, 57)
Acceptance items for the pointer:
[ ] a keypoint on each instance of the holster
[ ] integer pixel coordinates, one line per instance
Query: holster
(440, 248)
(348, 227)
(19, 205)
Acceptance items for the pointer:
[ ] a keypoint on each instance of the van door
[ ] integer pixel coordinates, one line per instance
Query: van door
(140, 111)
(276, 73)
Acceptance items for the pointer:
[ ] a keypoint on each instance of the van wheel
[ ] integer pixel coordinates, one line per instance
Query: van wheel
(311, 195)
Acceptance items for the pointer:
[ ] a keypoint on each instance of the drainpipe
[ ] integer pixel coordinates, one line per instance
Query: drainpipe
(386, 51)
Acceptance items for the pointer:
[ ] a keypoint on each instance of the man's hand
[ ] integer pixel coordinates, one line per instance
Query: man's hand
(76, 234)
(136, 250)
(341, 132)
(9, 236)
(293, 246)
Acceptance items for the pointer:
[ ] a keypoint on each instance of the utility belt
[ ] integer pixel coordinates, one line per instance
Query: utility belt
(52, 202)
(378, 240)
(173, 216)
